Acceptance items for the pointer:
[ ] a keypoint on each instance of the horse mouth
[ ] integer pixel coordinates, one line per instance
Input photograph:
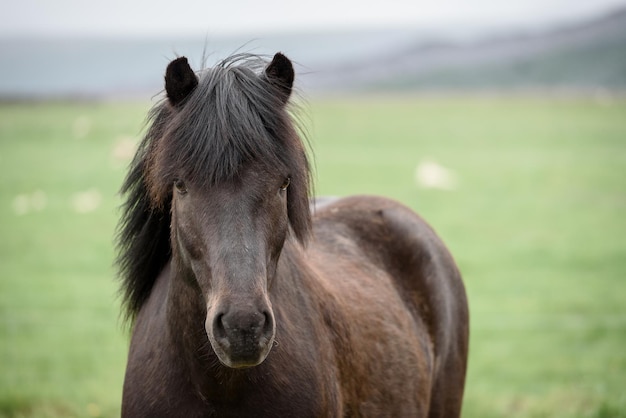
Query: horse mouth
(242, 354)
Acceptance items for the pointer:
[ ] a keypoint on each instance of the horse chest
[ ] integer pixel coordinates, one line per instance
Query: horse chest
(284, 392)
(172, 393)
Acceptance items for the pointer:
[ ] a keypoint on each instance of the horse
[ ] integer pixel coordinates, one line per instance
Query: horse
(245, 302)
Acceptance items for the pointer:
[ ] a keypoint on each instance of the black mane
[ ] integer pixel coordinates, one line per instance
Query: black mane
(234, 115)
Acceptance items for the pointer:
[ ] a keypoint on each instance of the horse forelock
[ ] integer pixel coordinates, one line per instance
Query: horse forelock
(233, 116)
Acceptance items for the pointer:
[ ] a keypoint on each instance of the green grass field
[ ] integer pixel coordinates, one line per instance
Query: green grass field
(536, 221)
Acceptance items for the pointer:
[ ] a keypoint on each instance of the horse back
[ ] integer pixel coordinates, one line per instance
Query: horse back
(391, 244)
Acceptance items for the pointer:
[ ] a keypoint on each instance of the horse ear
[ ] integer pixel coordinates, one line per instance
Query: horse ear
(280, 73)
(180, 80)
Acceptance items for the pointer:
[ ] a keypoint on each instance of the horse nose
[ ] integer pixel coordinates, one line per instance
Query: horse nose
(250, 324)
(242, 337)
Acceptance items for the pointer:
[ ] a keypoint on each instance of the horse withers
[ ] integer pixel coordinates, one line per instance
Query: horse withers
(245, 304)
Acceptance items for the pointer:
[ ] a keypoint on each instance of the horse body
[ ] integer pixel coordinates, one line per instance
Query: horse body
(258, 310)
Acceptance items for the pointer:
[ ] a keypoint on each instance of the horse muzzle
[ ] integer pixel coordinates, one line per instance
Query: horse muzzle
(241, 336)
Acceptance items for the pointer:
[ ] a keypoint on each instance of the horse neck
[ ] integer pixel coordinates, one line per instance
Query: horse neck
(185, 318)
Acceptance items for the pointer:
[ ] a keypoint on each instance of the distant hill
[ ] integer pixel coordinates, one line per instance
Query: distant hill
(586, 56)
(582, 57)
(134, 67)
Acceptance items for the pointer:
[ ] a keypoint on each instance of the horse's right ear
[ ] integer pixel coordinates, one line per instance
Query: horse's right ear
(180, 80)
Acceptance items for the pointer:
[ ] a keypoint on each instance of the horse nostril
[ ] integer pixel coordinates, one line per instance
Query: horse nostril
(219, 330)
(267, 323)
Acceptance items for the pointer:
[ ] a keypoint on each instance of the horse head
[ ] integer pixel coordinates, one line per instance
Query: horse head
(234, 172)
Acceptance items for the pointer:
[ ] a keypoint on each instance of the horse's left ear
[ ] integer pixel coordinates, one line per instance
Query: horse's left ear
(280, 73)
(180, 80)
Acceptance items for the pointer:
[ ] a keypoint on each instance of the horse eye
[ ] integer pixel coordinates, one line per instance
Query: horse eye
(285, 184)
(180, 186)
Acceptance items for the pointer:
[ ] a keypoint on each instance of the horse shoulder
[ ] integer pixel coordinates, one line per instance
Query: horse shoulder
(396, 241)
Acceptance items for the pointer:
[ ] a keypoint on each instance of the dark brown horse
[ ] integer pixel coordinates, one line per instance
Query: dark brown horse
(243, 303)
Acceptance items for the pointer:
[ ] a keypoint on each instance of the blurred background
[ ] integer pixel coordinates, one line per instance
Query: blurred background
(502, 123)
(118, 49)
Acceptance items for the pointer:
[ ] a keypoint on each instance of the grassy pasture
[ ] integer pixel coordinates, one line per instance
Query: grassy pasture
(536, 221)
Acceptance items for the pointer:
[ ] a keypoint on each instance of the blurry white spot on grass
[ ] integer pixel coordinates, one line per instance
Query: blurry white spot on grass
(93, 410)
(81, 127)
(432, 175)
(21, 204)
(33, 202)
(87, 201)
(38, 200)
(124, 148)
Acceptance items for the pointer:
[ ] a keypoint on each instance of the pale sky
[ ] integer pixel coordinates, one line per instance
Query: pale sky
(217, 17)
